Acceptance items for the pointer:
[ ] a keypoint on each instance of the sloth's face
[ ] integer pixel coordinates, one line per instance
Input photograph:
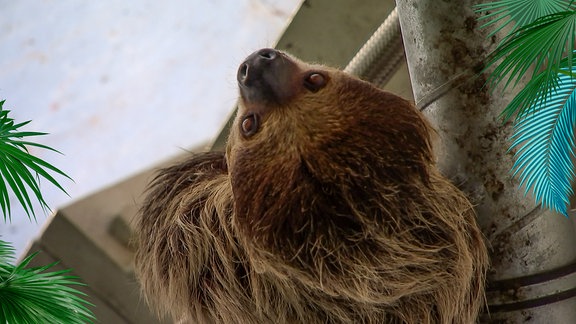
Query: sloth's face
(294, 111)
(283, 99)
(303, 129)
(291, 109)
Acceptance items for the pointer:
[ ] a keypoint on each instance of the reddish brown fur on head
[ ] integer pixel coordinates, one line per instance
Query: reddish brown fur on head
(338, 138)
(326, 207)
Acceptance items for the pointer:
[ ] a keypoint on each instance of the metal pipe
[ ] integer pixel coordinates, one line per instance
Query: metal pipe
(533, 275)
(381, 55)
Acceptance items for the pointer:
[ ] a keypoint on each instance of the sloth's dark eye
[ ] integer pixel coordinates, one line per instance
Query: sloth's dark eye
(249, 125)
(315, 81)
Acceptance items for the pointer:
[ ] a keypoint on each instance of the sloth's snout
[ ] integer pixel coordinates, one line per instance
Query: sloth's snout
(252, 68)
(266, 76)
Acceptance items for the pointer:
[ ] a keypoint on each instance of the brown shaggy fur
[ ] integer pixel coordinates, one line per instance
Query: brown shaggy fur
(332, 212)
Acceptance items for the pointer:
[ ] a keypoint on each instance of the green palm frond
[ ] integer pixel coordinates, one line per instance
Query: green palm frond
(545, 142)
(539, 47)
(32, 295)
(518, 12)
(19, 170)
(535, 93)
(6, 252)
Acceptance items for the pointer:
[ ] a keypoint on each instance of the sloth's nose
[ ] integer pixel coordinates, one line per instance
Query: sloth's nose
(268, 76)
(252, 68)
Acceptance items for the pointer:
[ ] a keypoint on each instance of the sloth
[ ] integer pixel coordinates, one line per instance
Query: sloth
(326, 207)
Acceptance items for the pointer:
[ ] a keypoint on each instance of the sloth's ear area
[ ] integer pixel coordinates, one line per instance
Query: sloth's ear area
(315, 80)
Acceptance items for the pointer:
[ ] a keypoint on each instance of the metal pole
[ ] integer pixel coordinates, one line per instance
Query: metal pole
(533, 275)
(381, 55)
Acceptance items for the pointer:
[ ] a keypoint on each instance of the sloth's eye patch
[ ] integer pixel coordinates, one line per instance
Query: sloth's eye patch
(315, 81)
(250, 124)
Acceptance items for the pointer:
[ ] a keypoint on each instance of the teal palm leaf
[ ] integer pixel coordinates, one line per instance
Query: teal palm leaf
(544, 140)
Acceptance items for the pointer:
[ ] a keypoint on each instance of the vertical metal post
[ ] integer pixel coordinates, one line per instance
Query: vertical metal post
(533, 251)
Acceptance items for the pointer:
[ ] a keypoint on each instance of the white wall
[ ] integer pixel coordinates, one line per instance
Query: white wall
(123, 85)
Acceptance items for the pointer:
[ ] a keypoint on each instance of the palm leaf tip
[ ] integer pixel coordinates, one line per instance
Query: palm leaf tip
(542, 36)
(517, 13)
(19, 170)
(6, 252)
(540, 46)
(33, 295)
(544, 140)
